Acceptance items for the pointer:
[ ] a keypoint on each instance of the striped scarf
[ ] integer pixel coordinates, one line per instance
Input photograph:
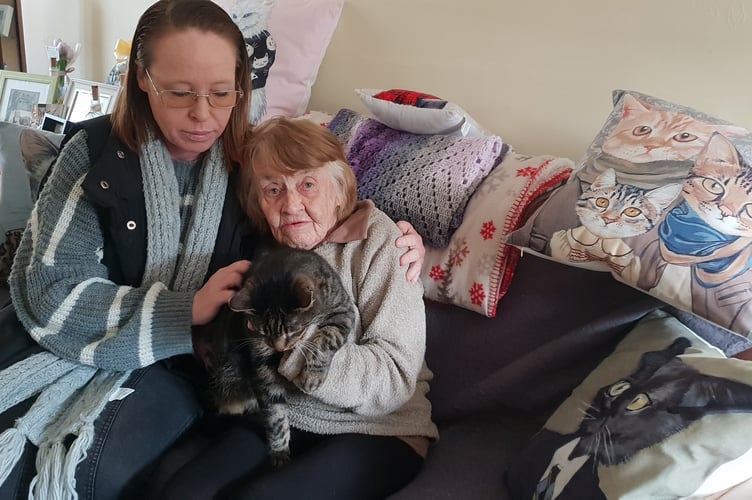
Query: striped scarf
(69, 395)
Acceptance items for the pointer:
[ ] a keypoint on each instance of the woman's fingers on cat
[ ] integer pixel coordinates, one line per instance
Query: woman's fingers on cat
(218, 291)
(231, 277)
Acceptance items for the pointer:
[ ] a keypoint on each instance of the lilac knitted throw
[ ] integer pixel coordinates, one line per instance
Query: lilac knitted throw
(422, 178)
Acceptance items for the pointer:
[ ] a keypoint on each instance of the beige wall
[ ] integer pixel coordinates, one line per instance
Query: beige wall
(539, 72)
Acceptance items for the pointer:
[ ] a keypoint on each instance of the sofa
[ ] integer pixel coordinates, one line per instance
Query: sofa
(511, 336)
(496, 379)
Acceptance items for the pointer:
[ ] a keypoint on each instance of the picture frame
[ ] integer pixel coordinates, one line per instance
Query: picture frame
(6, 19)
(53, 123)
(21, 92)
(77, 98)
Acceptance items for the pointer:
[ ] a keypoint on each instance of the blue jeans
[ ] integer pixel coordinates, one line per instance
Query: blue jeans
(130, 434)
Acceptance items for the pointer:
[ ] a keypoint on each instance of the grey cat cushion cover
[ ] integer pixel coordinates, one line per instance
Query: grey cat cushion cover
(25, 156)
(666, 415)
(660, 200)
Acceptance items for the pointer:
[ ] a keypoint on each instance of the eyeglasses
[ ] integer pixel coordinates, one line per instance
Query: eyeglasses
(186, 98)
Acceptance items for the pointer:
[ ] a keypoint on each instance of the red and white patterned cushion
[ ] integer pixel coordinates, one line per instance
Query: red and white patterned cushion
(474, 271)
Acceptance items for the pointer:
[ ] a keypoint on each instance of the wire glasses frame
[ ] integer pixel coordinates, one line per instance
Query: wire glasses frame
(186, 98)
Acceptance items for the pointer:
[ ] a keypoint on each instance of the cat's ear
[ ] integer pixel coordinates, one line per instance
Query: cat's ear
(241, 301)
(718, 150)
(633, 105)
(731, 130)
(302, 289)
(664, 196)
(606, 180)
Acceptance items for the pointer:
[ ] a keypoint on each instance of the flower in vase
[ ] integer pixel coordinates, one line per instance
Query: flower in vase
(65, 57)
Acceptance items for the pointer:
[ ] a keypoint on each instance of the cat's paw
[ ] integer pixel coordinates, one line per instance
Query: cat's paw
(310, 380)
(279, 458)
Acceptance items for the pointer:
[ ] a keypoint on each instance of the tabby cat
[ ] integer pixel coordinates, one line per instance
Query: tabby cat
(290, 300)
(648, 147)
(647, 133)
(710, 234)
(609, 211)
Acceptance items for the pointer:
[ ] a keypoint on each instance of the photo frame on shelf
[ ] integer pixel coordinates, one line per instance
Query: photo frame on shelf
(78, 98)
(21, 92)
(6, 19)
(53, 123)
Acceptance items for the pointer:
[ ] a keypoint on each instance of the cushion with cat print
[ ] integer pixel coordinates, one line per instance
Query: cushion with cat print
(666, 415)
(286, 43)
(661, 200)
(25, 156)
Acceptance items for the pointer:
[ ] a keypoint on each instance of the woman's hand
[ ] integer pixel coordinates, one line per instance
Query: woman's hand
(416, 252)
(217, 291)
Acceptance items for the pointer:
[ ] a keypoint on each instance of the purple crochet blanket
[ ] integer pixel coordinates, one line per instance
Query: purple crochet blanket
(424, 179)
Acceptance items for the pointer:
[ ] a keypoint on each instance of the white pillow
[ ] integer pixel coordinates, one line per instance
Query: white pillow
(450, 119)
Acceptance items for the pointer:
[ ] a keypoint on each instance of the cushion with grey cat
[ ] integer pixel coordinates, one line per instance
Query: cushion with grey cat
(25, 156)
(666, 415)
(661, 200)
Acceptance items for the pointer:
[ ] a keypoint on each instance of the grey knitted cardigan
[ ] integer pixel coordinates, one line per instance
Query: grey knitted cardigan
(95, 331)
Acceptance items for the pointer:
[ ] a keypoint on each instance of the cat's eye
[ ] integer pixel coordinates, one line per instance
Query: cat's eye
(712, 186)
(619, 388)
(641, 130)
(685, 137)
(632, 212)
(601, 202)
(747, 210)
(639, 402)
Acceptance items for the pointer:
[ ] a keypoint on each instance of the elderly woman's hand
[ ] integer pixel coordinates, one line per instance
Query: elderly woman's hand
(416, 252)
(217, 291)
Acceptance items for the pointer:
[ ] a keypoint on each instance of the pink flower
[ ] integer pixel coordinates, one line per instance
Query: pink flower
(65, 51)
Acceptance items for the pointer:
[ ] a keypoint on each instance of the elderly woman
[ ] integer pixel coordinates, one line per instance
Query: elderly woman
(365, 431)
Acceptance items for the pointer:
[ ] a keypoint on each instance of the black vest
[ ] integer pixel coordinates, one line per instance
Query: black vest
(115, 186)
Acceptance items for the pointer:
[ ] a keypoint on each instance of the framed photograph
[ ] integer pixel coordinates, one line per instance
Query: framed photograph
(20, 92)
(78, 98)
(6, 18)
(53, 123)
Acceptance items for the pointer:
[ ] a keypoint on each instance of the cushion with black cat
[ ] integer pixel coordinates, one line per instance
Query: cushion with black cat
(666, 415)
(661, 200)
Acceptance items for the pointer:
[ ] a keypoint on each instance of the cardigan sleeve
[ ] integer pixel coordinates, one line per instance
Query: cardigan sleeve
(377, 373)
(61, 291)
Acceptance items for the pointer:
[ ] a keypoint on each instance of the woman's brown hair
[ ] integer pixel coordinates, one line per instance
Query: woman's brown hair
(132, 110)
(286, 146)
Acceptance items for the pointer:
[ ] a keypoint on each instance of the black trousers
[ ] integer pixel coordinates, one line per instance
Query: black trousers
(231, 463)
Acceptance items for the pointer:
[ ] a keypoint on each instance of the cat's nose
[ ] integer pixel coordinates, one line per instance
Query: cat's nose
(280, 345)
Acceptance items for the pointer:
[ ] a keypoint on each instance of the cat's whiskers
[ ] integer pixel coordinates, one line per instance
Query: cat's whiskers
(608, 445)
(309, 348)
(585, 410)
